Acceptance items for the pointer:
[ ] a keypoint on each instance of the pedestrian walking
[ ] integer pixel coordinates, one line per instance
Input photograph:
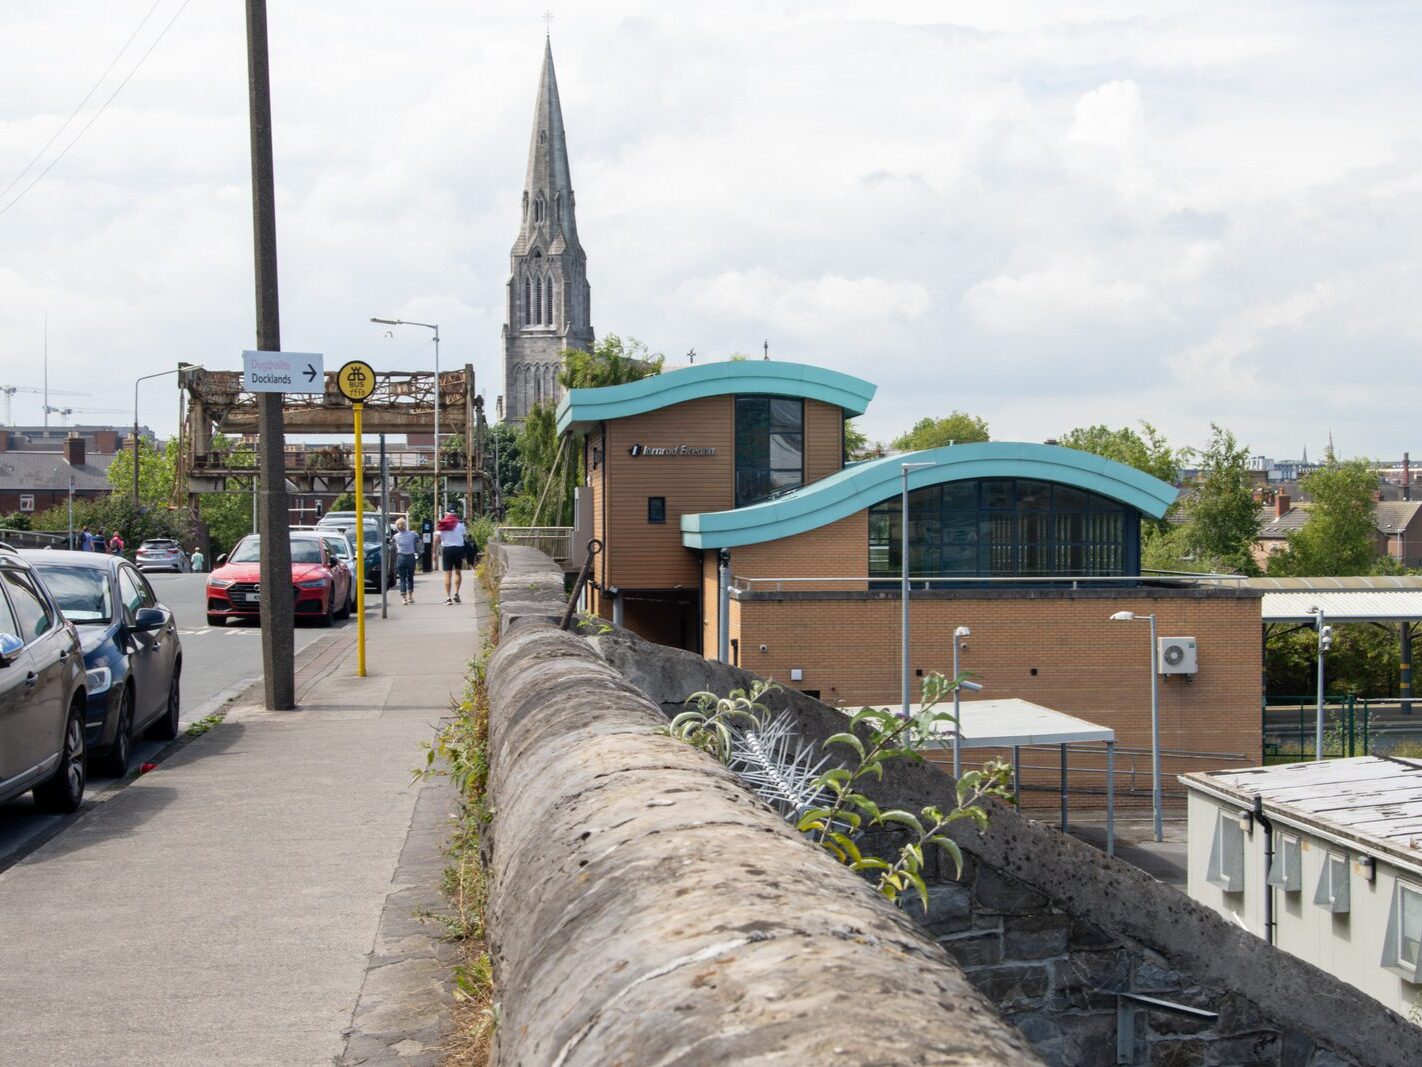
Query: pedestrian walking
(116, 544)
(198, 560)
(407, 547)
(86, 540)
(450, 534)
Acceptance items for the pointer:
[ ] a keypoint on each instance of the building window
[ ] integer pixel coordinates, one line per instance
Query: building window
(1286, 870)
(1005, 527)
(770, 447)
(527, 302)
(1404, 934)
(548, 301)
(538, 208)
(1226, 868)
(27, 502)
(657, 509)
(538, 300)
(1332, 891)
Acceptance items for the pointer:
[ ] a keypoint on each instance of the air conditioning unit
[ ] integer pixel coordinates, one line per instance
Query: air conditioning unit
(1177, 656)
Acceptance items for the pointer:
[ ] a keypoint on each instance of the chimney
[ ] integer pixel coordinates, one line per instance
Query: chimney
(106, 441)
(1281, 505)
(1258, 494)
(1406, 477)
(74, 450)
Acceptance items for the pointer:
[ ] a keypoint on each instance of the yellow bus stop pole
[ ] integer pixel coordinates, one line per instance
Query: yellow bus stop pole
(359, 576)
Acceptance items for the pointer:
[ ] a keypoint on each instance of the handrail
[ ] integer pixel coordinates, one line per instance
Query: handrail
(747, 584)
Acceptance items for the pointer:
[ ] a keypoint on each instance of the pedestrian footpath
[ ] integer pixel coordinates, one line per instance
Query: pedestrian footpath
(252, 900)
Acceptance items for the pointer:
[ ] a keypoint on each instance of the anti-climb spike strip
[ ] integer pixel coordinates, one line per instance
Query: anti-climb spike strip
(778, 766)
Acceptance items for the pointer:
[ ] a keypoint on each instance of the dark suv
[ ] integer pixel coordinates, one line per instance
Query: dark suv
(42, 694)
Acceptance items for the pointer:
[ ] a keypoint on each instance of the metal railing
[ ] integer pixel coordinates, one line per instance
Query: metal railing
(747, 584)
(1352, 726)
(34, 539)
(553, 541)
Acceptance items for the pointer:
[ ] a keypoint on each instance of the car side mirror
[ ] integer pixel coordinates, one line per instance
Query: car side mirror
(221, 559)
(149, 619)
(10, 646)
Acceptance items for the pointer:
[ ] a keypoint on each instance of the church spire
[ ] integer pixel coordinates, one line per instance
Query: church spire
(548, 185)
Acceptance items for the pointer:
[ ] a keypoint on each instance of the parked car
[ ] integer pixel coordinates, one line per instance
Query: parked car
(321, 582)
(375, 545)
(340, 545)
(42, 694)
(162, 554)
(132, 656)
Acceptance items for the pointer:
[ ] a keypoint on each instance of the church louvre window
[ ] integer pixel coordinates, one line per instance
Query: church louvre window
(538, 301)
(770, 447)
(538, 204)
(1003, 528)
(548, 301)
(527, 301)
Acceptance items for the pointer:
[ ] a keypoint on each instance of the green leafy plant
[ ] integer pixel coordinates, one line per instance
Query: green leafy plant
(709, 721)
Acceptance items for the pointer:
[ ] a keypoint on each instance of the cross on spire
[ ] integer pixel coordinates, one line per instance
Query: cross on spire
(547, 18)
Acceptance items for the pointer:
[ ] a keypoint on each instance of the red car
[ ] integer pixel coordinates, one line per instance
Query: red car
(320, 583)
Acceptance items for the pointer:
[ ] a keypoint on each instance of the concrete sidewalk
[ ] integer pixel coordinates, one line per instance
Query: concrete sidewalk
(250, 901)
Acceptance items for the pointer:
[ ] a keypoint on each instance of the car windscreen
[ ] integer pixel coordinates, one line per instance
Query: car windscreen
(82, 593)
(303, 550)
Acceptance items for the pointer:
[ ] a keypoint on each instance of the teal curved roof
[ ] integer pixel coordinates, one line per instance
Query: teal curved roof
(864, 484)
(583, 408)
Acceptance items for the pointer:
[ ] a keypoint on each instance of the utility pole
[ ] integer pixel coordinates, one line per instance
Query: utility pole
(278, 650)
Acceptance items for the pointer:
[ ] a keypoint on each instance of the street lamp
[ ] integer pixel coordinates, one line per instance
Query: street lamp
(1131, 616)
(176, 370)
(904, 569)
(972, 687)
(437, 396)
(1325, 642)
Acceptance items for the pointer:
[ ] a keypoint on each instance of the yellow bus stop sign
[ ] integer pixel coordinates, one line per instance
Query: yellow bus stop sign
(356, 380)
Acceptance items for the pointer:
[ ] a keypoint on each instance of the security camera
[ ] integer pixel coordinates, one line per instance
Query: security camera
(765, 648)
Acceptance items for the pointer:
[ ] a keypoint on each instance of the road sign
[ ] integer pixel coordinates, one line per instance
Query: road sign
(283, 372)
(356, 380)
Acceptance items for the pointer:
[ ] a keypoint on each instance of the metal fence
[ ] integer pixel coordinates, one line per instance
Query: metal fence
(554, 541)
(1352, 726)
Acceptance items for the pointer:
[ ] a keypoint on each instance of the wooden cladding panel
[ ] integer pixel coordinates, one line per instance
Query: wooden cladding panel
(642, 555)
(824, 440)
(840, 549)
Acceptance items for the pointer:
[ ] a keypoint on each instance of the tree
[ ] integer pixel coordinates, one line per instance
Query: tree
(957, 428)
(156, 472)
(1221, 518)
(611, 362)
(1341, 535)
(856, 442)
(1147, 451)
(540, 503)
(501, 451)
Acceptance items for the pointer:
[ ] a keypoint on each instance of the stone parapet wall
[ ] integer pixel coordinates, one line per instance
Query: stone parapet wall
(1049, 928)
(644, 908)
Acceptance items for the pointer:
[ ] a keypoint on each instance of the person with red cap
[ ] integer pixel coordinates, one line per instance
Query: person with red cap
(450, 533)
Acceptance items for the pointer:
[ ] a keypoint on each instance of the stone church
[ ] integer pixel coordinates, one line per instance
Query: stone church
(549, 302)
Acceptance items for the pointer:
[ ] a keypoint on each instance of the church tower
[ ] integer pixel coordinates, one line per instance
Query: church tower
(549, 302)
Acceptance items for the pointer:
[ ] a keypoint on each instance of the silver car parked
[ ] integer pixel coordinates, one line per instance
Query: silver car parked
(42, 695)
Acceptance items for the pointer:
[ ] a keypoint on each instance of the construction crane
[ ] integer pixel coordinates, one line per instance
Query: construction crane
(64, 413)
(9, 392)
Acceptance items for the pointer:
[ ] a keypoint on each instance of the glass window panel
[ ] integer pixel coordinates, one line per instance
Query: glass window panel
(997, 495)
(787, 415)
(752, 413)
(958, 561)
(1069, 499)
(33, 615)
(1032, 496)
(751, 485)
(1409, 925)
(786, 451)
(960, 496)
(781, 481)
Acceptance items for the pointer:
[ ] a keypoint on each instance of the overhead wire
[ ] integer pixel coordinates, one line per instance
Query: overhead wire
(102, 108)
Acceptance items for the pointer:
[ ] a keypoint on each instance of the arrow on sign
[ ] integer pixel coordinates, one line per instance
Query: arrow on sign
(310, 373)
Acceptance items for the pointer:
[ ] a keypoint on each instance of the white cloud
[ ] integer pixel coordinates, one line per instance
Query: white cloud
(1059, 298)
(1111, 115)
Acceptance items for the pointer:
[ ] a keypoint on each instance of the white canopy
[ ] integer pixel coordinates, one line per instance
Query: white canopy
(1010, 723)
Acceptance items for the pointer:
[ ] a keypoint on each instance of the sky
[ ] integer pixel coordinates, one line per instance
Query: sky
(1049, 215)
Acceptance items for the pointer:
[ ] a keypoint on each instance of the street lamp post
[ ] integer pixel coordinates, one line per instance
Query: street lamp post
(1131, 616)
(1325, 642)
(904, 571)
(959, 685)
(176, 370)
(438, 496)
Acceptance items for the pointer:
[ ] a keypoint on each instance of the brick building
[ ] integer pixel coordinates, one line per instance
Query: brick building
(34, 481)
(726, 483)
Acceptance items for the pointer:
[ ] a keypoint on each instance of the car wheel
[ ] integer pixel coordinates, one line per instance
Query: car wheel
(63, 791)
(114, 762)
(345, 610)
(328, 618)
(166, 727)
(217, 620)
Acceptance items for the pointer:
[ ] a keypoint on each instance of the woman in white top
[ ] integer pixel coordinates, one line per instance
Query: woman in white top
(407, 547)
(450, 534)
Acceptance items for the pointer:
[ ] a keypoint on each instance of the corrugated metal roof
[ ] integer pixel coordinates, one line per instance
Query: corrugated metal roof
(1361, 581)
(1373, 803)
(1378, 606)
(1009, 721)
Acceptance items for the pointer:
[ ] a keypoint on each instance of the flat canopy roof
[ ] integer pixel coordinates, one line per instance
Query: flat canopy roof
(1369, 802)
(1010, 722)
(1367, 598)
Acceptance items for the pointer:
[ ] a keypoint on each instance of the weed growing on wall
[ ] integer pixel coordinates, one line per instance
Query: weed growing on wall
(829, 806)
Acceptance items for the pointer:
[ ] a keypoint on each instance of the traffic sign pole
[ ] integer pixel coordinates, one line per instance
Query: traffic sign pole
(356, 381)
(360, 546)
